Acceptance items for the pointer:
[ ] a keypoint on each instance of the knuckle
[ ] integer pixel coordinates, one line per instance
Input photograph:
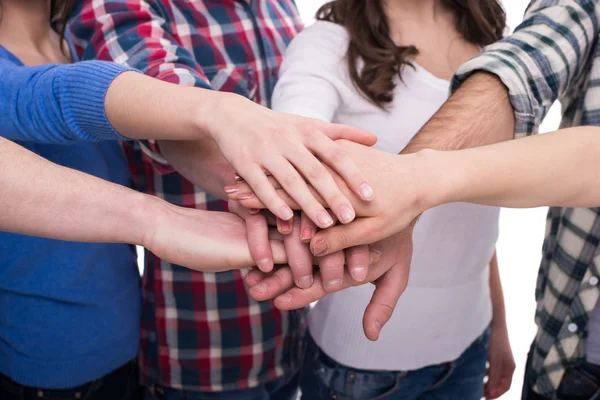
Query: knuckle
(315, 173)
(337, 155)
(386, 309)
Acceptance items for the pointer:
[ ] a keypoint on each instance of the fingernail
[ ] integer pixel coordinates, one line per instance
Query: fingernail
(346, 214)
(253, 211)
(374, 255)
(366, 192)
(285, 226)
(245, 196)
(286, 213)
(307, 233)
(265, 265)
(305, 282)
(284, 298)
(324, 219)
(237, 178)
(359, 274)
(320, 247)
(231, 189)
(332, 285)
(260, 288)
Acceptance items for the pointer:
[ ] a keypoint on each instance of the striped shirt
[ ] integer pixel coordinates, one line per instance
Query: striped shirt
(555, 55)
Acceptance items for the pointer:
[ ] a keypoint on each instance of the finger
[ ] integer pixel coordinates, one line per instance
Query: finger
(299, 257)
(242, 189)
(257, 233)
(388, 290)
(331, 268)
(320, 178)
(272, 286)
(337, 131)
(336, 157)
(278, 251)
(255, 276)
(296, 298)
(362, 231)
(296, 187)
(285, 227)
(357, 259)
(499, 382)
(307, 228)
(251, 201)
(263, 189)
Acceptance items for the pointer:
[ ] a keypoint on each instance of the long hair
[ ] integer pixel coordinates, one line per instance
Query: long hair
(60, 12)
(480, 22)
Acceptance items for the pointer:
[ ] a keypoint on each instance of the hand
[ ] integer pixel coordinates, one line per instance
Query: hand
(389, 271)
(200, 240)
(400, 182)
(254, 139)
(501, 363)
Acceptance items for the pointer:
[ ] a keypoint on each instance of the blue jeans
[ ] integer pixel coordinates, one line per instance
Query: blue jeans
(284, 388)
(462, 379)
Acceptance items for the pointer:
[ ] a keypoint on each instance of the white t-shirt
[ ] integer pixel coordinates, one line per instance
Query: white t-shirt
(447, 303)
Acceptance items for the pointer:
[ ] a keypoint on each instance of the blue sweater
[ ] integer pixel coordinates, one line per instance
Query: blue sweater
(69, 312)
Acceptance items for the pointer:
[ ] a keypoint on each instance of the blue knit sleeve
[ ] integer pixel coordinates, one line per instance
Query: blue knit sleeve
(56, 104)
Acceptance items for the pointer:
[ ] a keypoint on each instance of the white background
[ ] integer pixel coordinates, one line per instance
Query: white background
(521, 235)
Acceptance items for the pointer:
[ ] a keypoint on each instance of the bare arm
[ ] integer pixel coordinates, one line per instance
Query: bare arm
(43, 199)
(555, 169)
(479, 113)
(500, 357)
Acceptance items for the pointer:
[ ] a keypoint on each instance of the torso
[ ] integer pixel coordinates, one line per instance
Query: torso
(453, 245)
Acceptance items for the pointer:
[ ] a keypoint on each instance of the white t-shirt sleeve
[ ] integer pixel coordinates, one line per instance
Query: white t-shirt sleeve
(311, 78)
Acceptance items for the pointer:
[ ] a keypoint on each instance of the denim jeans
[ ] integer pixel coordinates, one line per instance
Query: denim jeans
(462, 379)
(284, 388)
(121, 384)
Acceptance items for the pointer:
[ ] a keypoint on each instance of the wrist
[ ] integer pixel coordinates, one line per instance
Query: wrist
(210, 105)
(139, 218)
(434, 182)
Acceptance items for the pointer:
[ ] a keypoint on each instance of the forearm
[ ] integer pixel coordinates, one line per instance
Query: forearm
(497, 296)
(479, 113)
(555, 169)
(200, 162)
(43, 199)
(141, 107)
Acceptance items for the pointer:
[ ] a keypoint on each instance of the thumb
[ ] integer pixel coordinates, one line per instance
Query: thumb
(341, 237)
(338, 131)
(389, 289)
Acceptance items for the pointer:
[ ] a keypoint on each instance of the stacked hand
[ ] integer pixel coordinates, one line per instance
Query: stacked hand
(389, 215)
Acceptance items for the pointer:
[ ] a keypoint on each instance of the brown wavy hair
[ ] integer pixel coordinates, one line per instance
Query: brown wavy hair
(480, 22)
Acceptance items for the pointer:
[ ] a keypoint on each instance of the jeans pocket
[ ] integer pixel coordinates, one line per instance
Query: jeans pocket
(344, 383)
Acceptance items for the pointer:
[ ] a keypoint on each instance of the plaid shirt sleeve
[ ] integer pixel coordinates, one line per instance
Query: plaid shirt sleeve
(135, 33)
(543, 59)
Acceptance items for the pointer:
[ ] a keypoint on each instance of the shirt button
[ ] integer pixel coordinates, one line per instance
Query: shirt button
(593, 281)
(572, 328)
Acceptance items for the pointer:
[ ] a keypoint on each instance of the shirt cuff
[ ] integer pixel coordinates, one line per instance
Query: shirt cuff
(81, 93)
(513, 76)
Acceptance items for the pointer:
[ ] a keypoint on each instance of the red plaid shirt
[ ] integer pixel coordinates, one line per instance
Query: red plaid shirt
(200, 331)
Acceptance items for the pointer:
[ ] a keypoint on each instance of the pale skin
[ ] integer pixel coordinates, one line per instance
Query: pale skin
(231, 129)
(191, 120)
(40, 198)
(431, 28)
